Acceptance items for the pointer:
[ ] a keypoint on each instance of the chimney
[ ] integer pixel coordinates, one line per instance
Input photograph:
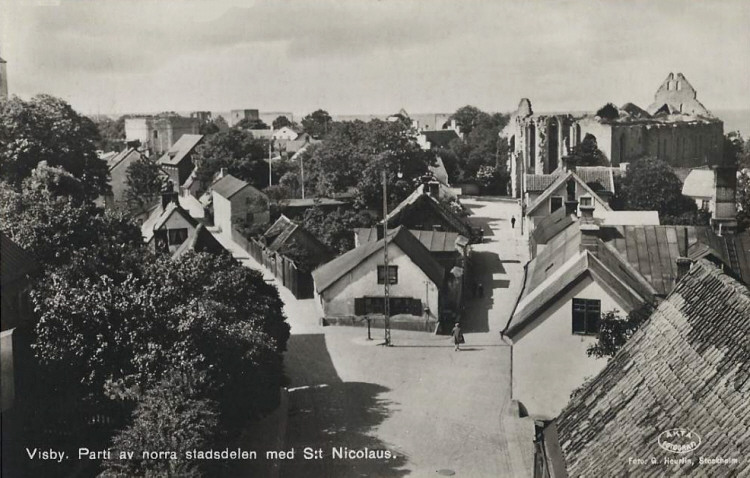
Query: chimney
(168, 195)
(589, 229)
(683, 267)
(568, 164)
(380, 231)
(571, 207)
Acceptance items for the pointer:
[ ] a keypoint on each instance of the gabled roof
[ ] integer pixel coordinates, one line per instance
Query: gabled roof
(228, 186)
(200, 240)
(328, 274)
(552, 225)
(434, 241)
(418, 198)
(16, 262)
(118, 159)
(599, 178)
(561, 180)
(180, 149)
(539, 182)
(699, 183)
(159, 216)
(682, 369)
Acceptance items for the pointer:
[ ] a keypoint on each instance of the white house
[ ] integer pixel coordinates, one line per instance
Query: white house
(588, 269)
(285, 134)
(352, 285)
(235, 200)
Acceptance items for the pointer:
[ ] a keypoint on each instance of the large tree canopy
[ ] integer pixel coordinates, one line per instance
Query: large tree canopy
(46, 128)
(650, 184)
(236, 150)
(355, 154)
(587, 153)
(317, 123)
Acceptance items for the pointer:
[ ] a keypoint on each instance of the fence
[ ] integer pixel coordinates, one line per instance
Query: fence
(300, 283)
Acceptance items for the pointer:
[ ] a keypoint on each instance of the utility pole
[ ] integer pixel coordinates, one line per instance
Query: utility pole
(270, 157)
(302, 174)
(387, 281)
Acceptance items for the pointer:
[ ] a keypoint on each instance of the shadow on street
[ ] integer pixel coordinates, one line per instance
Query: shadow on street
(327, 413)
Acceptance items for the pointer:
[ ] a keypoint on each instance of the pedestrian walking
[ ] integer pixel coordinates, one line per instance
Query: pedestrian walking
(513, 222)
(458, 337)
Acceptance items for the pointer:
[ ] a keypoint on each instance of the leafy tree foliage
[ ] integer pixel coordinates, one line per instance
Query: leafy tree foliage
(173, 415)
(736, 150)
(56, 227)
(481, 145)
(354, 154)
(145, 181)
(650, 184)
(317, 123)
(282, 121)
(336, 228)
(236, 150)
(46, 128)
(587, 153)
(615, 330)
(111, 133)
(249, 123)
(493, 180)
(743, 200)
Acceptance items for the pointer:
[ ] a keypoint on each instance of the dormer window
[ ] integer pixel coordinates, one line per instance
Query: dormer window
(586, 201)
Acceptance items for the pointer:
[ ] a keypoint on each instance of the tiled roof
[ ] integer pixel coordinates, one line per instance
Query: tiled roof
(15, 262)
(599, 178)
(434, 241)
(685, 368)
(699, 183)
(327, 274)
(228, 186)
(181, 149)
(539, 182)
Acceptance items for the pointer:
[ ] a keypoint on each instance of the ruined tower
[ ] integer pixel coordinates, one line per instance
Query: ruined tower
(677, 96)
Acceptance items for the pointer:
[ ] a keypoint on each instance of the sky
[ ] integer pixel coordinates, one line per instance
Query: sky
(356, 56)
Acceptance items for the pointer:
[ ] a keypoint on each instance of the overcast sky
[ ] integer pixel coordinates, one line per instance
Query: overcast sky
(373, 57)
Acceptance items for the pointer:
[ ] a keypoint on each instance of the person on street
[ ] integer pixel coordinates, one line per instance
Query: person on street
(513, 222)
(458, 336)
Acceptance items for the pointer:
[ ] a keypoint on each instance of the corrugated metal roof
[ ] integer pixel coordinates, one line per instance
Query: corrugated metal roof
(434, 241)
(180, 149)
(682, 369)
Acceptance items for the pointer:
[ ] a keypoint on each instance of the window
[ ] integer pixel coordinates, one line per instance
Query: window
(177, 236)
(392, 274)
(586, 316)
(156, 134)
(555, 203)
(586, 201)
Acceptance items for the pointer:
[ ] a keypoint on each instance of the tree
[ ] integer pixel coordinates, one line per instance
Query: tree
(336, 228)
(145, 181)
(587, 153)
(282, 121)
(736, 151)
(355, 154)
(492, 180)
(238, 152)
(111, 133)
(116, 336)
(650, 184)
(47, 129)
(615, 330)
(55, 227)
(743, 200)
(317, 123)
(481, 144)
(249, 123)
(173, 416)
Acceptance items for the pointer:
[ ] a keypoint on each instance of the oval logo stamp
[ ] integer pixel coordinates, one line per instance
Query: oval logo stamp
(679, 440)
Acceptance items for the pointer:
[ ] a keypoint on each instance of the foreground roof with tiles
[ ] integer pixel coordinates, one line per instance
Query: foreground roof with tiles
(686, 368)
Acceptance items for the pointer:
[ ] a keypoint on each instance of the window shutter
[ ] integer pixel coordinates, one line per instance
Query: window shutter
(359, 306)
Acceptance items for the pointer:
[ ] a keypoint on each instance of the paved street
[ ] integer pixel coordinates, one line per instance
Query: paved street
(435, 409)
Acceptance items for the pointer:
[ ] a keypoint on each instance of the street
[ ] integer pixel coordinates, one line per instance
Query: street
(435, 409)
